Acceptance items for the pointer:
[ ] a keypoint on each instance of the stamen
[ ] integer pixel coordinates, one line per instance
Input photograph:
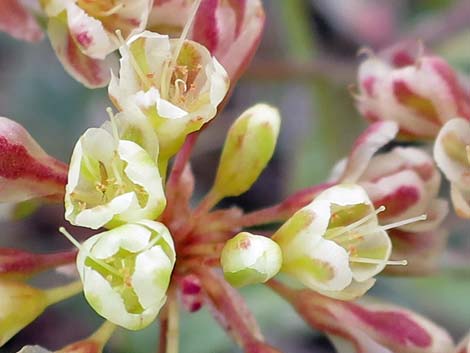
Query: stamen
(169, 67)
(111, 11)
(79, 247)
(365, 260)
(144, 78)
(114, 127)
(356, 224)
(423, 217)
(70, 238)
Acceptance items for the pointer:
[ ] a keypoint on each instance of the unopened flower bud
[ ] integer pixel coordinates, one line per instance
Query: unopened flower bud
(249, 146)
(250, 259)
(19, 265)
(20, 305)
(451, 152)
(419, 92)
(464, 345)
(126, 272)
(111, 181)
(369, 327)
(26, 170)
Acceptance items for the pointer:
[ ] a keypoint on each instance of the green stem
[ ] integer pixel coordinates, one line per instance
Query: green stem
(59, 294)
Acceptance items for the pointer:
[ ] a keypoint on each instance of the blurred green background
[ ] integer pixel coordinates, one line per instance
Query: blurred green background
(304, 66)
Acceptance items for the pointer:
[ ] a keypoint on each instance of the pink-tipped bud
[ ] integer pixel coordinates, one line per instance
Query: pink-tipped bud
(26, 171)
(368, 328)
(418, 91)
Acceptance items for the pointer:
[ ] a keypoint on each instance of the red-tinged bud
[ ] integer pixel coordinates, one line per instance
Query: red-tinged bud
(26, 171)
(418, 91)
(421, 250)
(191, 293)
(368, 328)
(18, 22)
(19, 265)
(231, 30)
(464, 345)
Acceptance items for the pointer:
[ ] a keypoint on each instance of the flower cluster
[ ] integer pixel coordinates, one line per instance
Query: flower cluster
(130, 181)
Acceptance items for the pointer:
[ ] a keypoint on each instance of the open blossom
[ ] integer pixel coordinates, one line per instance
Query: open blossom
(83, 33)
(406, 182)
(451, 152)
(126, 272)
(175, 82)
(419, 92)
(230, 30)
(335, 243)
(111, 181)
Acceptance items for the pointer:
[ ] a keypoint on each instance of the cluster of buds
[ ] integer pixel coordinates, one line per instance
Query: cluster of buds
(428, 101)
(153, 251)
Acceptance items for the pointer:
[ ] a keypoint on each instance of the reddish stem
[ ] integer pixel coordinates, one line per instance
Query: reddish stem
(182, 159)
(285, 209)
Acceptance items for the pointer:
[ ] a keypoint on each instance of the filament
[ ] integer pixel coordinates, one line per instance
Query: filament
(365, 260)
(422, 217)
(79, 247)
(144, 78)
(357, 223)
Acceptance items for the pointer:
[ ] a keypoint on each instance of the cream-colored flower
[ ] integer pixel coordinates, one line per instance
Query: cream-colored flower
(126, 272)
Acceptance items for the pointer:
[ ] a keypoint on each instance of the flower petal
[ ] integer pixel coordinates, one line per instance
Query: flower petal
(90, 72)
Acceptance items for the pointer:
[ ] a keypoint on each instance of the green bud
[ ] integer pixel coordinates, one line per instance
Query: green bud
(250, 259)
(249, 146)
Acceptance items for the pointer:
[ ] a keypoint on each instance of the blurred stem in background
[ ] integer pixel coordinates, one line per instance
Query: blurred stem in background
(332, 105)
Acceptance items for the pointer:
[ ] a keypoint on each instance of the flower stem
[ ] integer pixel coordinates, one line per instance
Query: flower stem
(104, 333)
(59, 294)
(172, 338)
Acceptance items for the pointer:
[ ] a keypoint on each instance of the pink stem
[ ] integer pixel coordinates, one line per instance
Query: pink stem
(182, 159)
(285, 209)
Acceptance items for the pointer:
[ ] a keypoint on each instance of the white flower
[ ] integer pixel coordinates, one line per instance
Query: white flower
(126, 272)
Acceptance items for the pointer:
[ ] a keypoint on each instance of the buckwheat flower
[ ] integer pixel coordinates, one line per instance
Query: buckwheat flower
(126, 272)
(230, 30)
(82, 33)
(248, 147)
(249, 259)
(418, 91)
(406, 181)
(175, 82)
(335, 244)
(451, 152)
(111, 182)
(26, 170)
